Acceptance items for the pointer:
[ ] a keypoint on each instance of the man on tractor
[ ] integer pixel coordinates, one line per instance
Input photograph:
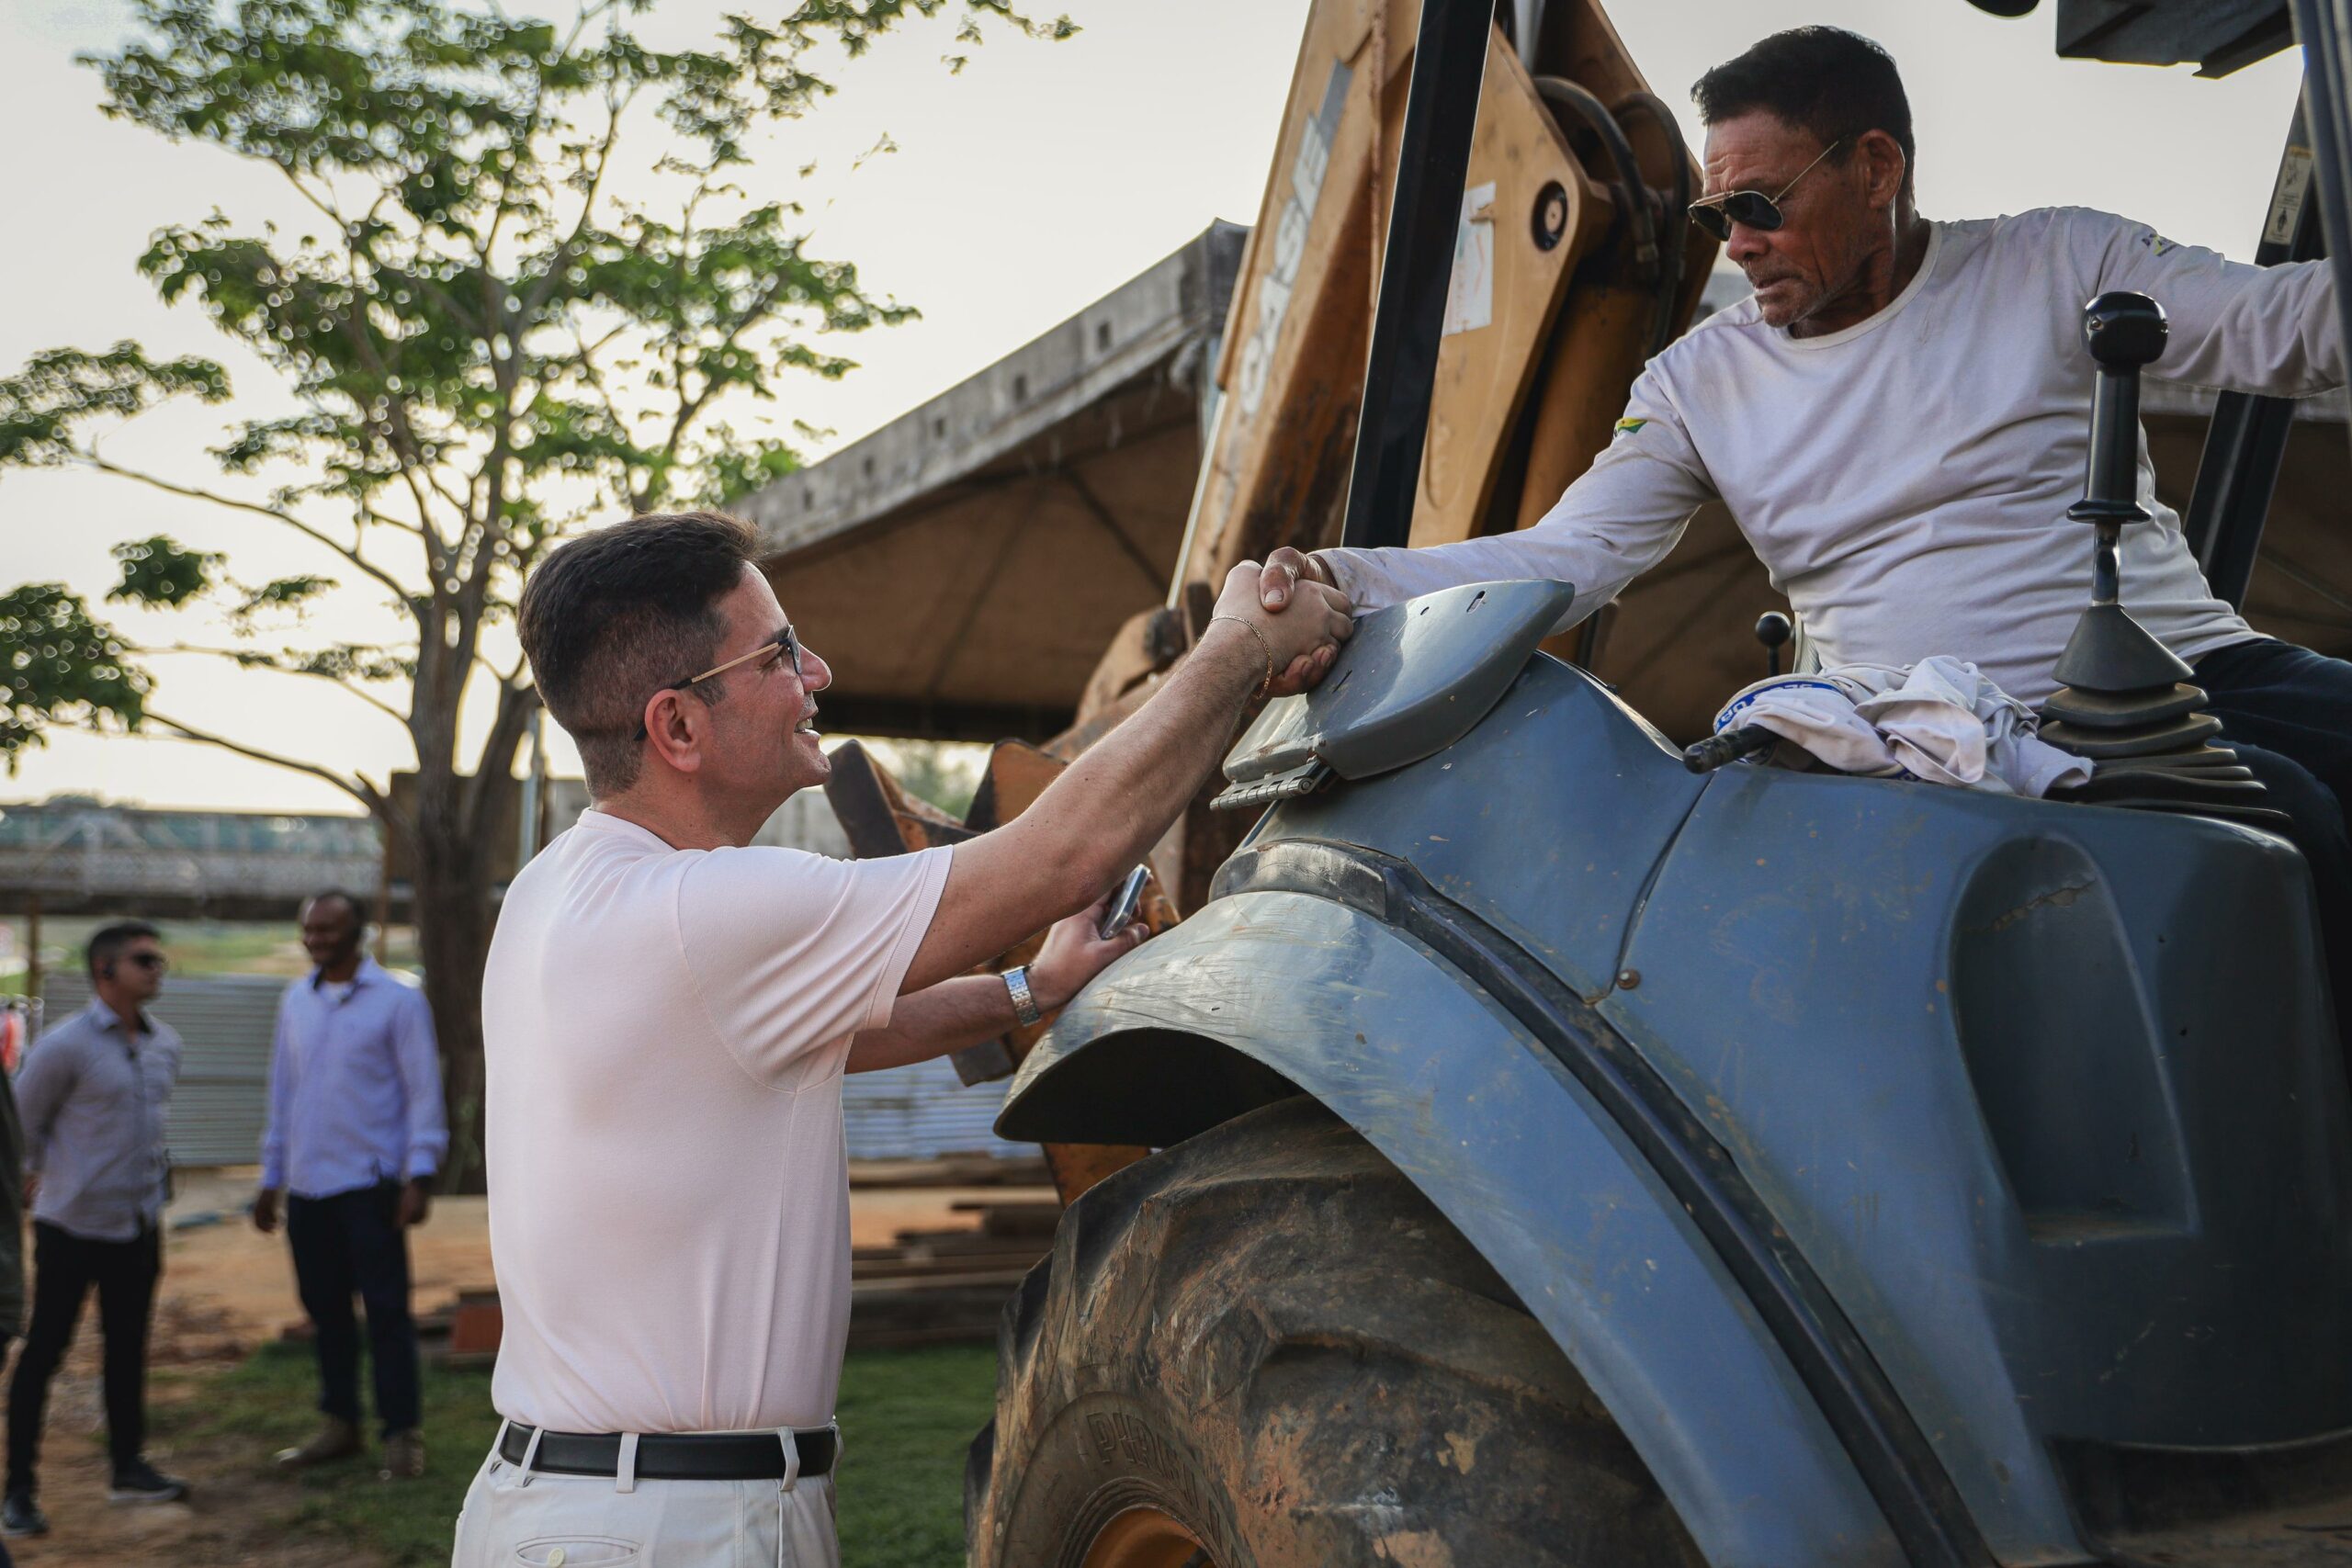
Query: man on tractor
(1897, 420)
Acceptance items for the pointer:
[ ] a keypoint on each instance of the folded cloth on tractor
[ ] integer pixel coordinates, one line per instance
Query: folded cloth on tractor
(1940, 721)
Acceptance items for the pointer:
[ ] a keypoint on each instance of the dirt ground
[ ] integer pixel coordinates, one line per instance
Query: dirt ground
(229, 1520)
(227, 1288)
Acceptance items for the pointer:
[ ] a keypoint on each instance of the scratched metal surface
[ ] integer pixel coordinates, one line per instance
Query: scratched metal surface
(2048, 1095)
(2044, 1223)
(1546, 820)
(1494, 1131)
(1413, 680)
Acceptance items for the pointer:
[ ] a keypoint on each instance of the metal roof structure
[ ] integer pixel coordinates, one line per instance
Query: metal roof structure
(2217, 36)
(964, 566)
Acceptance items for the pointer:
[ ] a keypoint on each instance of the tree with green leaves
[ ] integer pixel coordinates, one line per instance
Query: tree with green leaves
(485, 348)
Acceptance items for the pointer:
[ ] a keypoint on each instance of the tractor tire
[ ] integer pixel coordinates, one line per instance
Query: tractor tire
(1265, 1348)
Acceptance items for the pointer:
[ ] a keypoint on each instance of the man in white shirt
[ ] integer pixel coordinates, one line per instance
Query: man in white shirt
(354, 1137)
(667, 1014)
(1899, 418)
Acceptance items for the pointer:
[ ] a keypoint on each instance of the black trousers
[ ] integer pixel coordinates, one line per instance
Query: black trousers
(352, 1244)
(2288, 713)
(64, 1268)
(5, 1561)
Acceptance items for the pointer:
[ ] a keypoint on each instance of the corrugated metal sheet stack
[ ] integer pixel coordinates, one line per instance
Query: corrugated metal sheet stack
(922, 1111)
(914, 1112)
(226, 1022)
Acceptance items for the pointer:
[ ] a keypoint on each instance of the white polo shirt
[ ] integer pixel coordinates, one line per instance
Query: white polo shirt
(665, 1032)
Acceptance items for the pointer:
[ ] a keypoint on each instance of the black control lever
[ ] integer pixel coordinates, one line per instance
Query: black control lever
(2124, 331)
(1773, 629)
(2126, 702)
(1716, 751)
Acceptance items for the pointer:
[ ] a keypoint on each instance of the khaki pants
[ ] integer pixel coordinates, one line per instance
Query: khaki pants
(586, 1521)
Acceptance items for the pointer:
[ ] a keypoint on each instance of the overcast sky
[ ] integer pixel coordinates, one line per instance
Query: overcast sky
(1040, 178)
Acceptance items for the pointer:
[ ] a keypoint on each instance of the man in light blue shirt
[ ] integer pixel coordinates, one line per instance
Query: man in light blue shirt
(355, 1136)
(92, 1094)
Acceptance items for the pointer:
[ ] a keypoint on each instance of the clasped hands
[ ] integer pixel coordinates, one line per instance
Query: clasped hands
(1295, 618)
(1297, 614)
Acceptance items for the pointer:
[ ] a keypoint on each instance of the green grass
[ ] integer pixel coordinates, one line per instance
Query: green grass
(270, 1402)
(906, 1416)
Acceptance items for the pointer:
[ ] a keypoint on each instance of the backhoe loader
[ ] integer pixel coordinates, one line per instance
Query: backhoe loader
(1535, 1144)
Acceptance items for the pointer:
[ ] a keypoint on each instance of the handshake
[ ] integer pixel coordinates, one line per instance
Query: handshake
(1295, 611)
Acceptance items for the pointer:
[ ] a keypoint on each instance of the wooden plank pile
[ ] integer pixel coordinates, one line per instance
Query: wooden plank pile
(932, 1285)
(949, 1170)
(948, 1286)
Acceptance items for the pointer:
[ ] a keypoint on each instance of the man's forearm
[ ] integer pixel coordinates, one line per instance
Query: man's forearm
(1120, 796)
(1598, 554)
(1114, 803)
(1095, 820)
(933, 1022)
(2271, 331)
(40, 1091)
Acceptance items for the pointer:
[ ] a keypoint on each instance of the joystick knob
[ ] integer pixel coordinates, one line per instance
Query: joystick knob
(2123, 330)
(1773, 629)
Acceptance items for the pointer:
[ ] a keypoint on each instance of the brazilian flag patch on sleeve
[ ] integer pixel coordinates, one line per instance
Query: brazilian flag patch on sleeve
(1627, 427)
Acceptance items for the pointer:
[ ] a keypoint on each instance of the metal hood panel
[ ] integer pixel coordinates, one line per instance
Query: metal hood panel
(2216, 35)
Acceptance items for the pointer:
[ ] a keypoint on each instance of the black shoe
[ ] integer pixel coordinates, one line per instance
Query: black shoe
(20, 1517)
(140, 1482)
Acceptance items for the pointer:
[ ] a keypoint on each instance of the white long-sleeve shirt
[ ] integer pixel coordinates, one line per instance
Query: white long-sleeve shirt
(1905, 481)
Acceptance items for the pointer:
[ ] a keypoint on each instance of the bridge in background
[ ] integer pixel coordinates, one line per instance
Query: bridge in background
(71, 856)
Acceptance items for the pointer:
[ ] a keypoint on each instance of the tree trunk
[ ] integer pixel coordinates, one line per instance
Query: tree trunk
(451, 911)
(453, 938)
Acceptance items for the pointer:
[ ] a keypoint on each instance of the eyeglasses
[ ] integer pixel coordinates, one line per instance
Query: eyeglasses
(1716, 214)
(155, 961)
(783, 646)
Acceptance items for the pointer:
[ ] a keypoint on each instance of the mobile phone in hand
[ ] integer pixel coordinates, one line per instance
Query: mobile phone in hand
(1123, 903)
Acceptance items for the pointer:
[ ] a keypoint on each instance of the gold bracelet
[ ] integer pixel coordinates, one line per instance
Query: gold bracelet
(1263, 646)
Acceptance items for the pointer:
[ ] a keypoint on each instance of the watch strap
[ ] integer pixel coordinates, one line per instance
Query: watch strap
(1024, 1001)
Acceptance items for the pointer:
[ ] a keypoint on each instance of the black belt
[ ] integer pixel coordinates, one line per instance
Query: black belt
(673, 1456)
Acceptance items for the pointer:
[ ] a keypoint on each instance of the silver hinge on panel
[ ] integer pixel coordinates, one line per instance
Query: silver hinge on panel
(1304, 779)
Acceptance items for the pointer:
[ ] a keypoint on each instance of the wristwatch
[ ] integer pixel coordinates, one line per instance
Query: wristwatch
(1025, 1004)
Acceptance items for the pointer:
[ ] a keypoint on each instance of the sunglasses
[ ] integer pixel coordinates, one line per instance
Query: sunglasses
(783, 646)
(149, 959)
(1716, 214)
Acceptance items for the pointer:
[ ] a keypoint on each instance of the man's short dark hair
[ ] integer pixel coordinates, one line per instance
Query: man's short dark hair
(612, 616)
(352, 901)
(1828, 81)
(107, 942)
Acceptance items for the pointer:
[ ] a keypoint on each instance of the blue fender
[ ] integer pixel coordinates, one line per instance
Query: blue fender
(1267, 990)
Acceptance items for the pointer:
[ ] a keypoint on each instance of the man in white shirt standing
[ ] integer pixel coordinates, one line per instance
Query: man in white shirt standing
(1899, 418)
(667, 1014)
(355, 1136)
